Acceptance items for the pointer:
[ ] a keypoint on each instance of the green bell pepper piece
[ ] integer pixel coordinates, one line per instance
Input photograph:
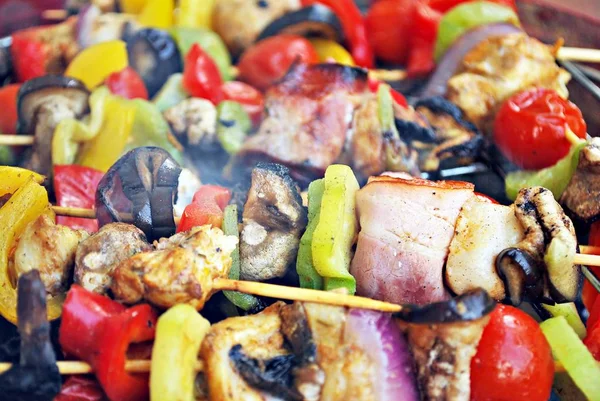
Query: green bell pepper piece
(469, 15)
(209, 41)
(569, 350)
(309, 277)
(337, 227)
(171, 94)
(230, 227)
(233, 125)
(555, 178)
(151, 129)
(569, 311)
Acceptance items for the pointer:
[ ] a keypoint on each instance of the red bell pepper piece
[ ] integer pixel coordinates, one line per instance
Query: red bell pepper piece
(201, 77)
(30, 56)
(206, 208)
(354, 28)
(398, 97)
(8, 103)
(98, 330)
(78, 388)
(592, 340)
(251, 99)
(127, 83)
(426, 21)
(75, 186)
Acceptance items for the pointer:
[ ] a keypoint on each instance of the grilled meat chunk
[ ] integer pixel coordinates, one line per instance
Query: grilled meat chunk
(406, 229)
(50, 249)
(582, 195)
(483, 230)
(499, 67)
(308, 118)
(454, 137)
(257, 336)
(444, 339)
(549, 248)
(194, 122)
(239, 22)
(180, 270)
(273, 221)
(99, 255)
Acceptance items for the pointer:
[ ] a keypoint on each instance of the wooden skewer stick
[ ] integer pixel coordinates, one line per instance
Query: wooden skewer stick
(579, 54)
(82, 368)
(17, 140)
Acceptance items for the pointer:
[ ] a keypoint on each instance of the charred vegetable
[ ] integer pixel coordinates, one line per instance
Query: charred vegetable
(140, 188)
(36, 376)
(273, 221)
(313, 21)
(155, 56)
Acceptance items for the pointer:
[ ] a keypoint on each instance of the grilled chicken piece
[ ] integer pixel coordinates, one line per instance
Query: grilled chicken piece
(453, 136)
(273, 221)
(99, 255)
(257, 336)
(194, 122)
(499, 67)
(239, 22)
(444, 338)
(582, 195)
(180, 270)
(309, 114)
(49, 248)
(483, 230)
(109, 26)
(406, 229)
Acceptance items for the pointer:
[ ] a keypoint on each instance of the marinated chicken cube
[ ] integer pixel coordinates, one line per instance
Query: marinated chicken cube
(49, 248)
(194, 122)
(180, 270)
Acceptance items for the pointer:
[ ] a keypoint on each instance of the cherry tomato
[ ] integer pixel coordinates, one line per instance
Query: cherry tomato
(268, 60)
(206, 207)
(592, 340)
(128, 84)
(251, 99)
(513, 359)
(78, 388)
(8, 103)
(530, 128)
(389, 26)
(201, 77)
(594, 318)
(29, 54)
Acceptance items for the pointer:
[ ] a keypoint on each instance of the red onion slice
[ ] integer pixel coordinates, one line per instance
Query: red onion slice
(380, 338)
(449, 63)
(85, 21)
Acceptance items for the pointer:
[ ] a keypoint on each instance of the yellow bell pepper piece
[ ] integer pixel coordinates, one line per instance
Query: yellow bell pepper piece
(334, 235)
(95, 63)
(330, 50)
(179, 334)
(195, 13)
(70, 133)
(108, 145)
(132, 6)
(14, 177)
(28, 202)
(157, 14)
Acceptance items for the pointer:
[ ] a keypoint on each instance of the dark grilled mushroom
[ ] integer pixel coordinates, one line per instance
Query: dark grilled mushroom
(582, 196)
(155, 56)
(444, 338)
(140, 188)
(41, 104)
(36, 376)
(272, 375)
(522, 275)
(273, 221)
(313, 21)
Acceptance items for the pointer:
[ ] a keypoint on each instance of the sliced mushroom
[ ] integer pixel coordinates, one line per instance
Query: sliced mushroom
(41, 104)
(36, 376)
(444, 338)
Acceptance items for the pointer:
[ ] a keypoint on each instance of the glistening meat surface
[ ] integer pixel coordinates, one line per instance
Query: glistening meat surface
(406, 229)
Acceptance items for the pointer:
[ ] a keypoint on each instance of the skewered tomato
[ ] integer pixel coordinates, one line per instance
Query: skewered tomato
(592, 341)
(269, 59)
(201, 77)
(206, 208)
(251, 99)
(128, 84)
(389, 25)
(513, 359)
(532, 128)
